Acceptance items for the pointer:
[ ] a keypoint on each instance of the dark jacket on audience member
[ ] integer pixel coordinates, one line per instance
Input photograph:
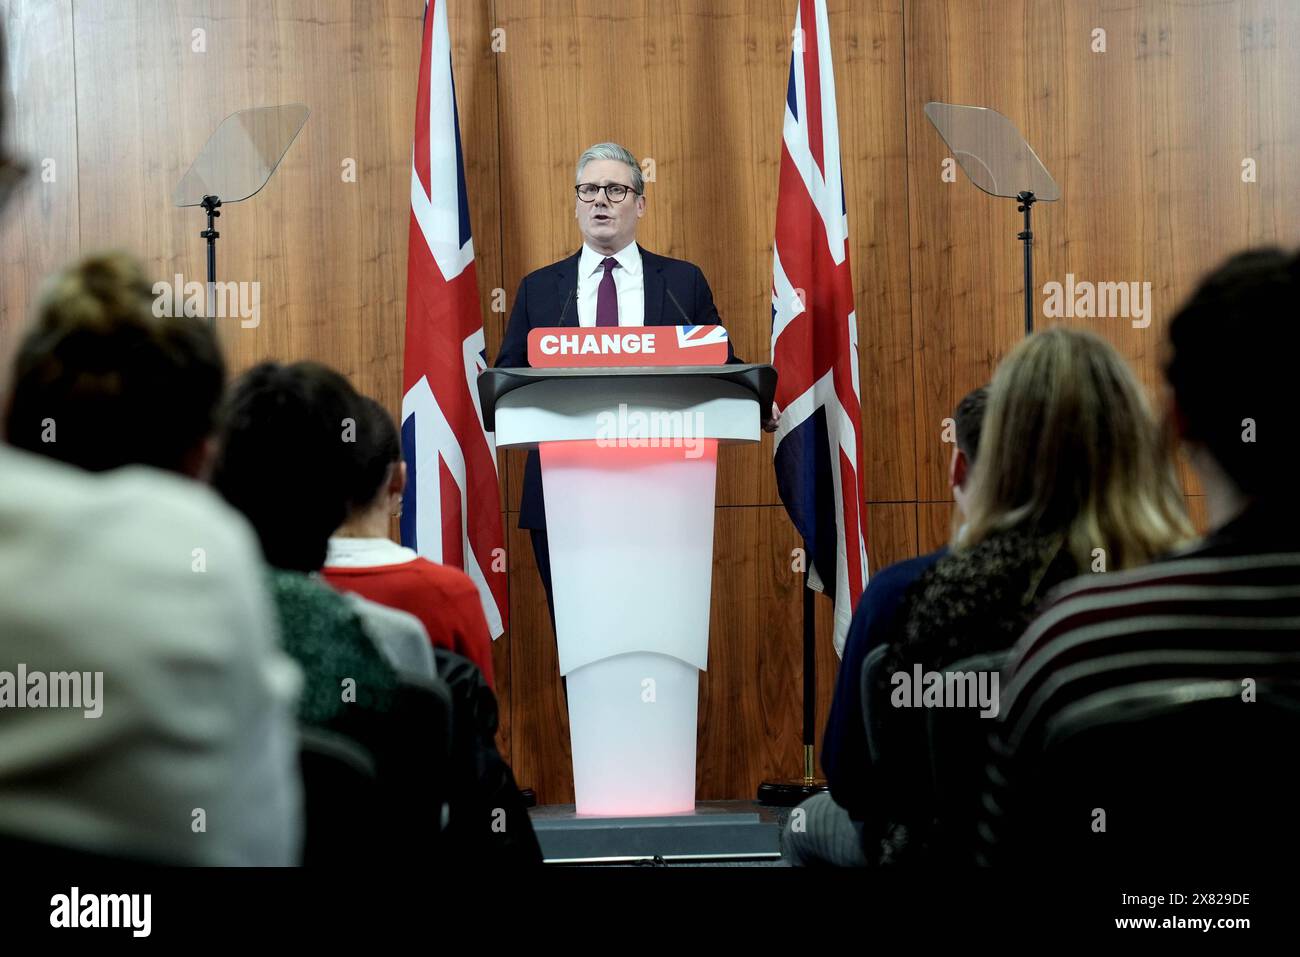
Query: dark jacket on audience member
(1221, 610)
(974, 601)
(487, 820)
(844, 744)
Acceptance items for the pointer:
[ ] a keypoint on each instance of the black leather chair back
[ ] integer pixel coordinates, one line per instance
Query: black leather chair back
(958, 738)
(340, 798)
(1167, 773)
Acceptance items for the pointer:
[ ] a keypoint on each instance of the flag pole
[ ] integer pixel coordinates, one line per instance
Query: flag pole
(791, 791)
(809, 682)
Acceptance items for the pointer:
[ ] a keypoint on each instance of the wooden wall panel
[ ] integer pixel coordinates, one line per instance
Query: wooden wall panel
(328, 252)
(1146, 141)
(39, 226)
(751, 709)
(539, 716)
(869, 79)
(1199, 513)
(751, 690)
(934, 525)
(716, 74)
(964, 305)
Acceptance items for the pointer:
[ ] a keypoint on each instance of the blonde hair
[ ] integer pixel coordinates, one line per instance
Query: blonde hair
(1070, 448)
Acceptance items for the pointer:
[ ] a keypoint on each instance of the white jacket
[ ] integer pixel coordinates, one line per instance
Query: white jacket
(151, 580)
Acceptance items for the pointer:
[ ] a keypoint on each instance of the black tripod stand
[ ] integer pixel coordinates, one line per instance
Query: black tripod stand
(1026, 199)
(210, 204)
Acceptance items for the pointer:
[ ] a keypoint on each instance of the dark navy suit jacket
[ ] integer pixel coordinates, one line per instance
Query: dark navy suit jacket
(676, 294)
(845, 757)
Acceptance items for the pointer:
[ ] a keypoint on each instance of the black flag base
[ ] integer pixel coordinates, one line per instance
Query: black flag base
(792, 791)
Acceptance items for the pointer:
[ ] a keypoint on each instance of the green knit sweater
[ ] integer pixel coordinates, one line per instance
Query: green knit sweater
(320, 630)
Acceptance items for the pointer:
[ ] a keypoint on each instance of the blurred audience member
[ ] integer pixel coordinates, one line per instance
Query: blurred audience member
(99, 381)
(138, 595)
(844, 744)
(286, 461)
(1071, 467)
(1223, 611)
(1074, 477)
(363, 559)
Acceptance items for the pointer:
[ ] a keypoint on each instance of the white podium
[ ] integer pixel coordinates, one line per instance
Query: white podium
(629, 470)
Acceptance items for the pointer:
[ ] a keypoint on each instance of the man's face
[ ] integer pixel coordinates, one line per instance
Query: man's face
(608, 227)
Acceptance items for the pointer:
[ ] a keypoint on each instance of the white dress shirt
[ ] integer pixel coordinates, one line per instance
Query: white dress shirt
(366, 553)
(629, 282)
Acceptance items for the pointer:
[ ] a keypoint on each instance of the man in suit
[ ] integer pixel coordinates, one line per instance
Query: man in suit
(610, 281)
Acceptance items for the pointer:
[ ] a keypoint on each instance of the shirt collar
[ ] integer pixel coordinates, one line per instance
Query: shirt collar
(365, 553)
(629, 259)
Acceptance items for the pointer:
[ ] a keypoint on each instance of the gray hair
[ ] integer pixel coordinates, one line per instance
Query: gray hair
(611, 151)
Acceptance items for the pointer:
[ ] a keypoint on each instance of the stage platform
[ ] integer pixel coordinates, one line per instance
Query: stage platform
(717, 832)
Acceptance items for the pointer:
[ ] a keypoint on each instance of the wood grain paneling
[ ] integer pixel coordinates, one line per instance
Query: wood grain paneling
(539, 715)
(934, 521)
(635, 73)
(39, 226)
(327, 250)
(1146, 141)
(751, 709)
(869, 77)
(1199, 513)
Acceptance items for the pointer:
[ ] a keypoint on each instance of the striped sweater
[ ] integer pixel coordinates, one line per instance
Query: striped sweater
(1226, 609)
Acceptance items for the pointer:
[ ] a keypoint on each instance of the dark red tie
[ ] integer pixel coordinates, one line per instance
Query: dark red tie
(607, 295)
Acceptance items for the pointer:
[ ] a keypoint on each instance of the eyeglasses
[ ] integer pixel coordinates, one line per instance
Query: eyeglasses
(614, 192)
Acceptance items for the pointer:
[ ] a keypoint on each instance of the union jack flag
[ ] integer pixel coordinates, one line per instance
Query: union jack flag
(814, 330)
(700, 335)
(451, 507)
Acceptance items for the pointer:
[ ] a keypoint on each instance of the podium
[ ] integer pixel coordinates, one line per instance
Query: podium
(629, 471)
